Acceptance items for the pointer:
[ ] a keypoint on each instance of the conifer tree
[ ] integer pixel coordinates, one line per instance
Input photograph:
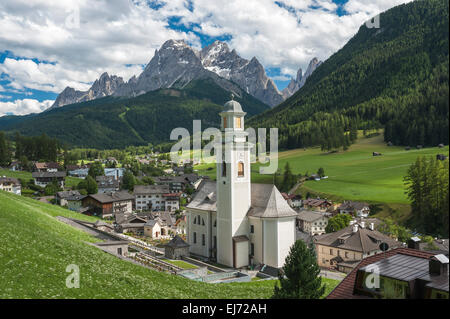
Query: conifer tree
(299, 277)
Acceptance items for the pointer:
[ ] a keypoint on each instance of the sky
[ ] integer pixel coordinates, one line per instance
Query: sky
(47, 45)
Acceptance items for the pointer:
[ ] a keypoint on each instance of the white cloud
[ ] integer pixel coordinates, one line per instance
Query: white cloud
(114, 34)
(25, 106)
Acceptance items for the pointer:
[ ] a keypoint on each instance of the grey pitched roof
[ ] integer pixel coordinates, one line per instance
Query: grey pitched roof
(349, 205)
(150, 189)
(309, 216)
(9, 180)
(70, 195)
(152, 222)
(205, 198)
(48, 174)
(364, 240)
(112, 197)
(177, 242)
(267, 201)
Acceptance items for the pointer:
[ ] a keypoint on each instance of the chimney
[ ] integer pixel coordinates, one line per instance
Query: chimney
(363, 224)
(355, 228)
(372, 226)
(438, 265)
(414, 242)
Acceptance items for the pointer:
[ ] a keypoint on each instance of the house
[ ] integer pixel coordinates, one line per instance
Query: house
(44, 178)
(11, 185)
(115, 247)
(311, 222)
(150, 197)
(107, 184)
(153, 228)
(376, 154)
(355, 208)
(317, 204)
(15, 166)
(295, 201)
(233, 221)
(437, 246)
(79, 172)
(171, 201)
(177, 248)
(342, 250)
(106, 205)
(71, 199)
(181, 225)
(404, 273)
(103, 226)
(46, 167)
(129, 223)
(117, 173)
(178, 183)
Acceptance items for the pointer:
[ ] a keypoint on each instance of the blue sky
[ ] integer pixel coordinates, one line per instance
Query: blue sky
(48, 45)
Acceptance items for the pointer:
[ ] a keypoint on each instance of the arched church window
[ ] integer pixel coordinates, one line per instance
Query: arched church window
(224, 122)
(240, 169)
(238, 122)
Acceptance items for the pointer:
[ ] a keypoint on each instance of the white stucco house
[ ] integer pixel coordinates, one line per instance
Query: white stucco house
(232, 221)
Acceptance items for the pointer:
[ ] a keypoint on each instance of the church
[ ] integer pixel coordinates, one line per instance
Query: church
(233, 221)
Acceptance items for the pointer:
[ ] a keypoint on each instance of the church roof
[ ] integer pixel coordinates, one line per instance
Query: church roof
(233, 106)
(267, 201)
(205, 198)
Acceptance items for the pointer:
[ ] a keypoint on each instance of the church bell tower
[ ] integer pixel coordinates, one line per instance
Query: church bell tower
(233, 189)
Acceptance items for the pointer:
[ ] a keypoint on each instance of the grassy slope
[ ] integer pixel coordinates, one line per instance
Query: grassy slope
(36, 249)
(354, 174)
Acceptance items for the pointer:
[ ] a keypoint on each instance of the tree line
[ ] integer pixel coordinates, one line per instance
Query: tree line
(427, 187)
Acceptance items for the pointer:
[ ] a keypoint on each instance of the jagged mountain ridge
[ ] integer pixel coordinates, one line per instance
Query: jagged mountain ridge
(297, 83)
(176, 64)
(104, 86)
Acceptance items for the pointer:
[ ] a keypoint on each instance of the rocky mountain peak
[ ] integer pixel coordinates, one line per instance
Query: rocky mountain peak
(175, 64)
(295, 84)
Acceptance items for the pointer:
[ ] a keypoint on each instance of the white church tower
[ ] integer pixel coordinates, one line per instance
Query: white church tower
(233, 189)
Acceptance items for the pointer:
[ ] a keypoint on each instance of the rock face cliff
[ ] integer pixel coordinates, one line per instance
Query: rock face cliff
(301, 78)
(249, 75)
(176, 64)
(104, 86)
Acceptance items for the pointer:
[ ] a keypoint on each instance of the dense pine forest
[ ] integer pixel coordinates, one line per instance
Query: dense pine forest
(427, 188)
(393, 77)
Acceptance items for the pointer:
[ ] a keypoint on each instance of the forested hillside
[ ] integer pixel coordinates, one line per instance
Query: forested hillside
(113, 122)
(393, 77)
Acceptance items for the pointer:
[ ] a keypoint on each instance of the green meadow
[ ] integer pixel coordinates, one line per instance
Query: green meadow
(353, 174)
(36, 249)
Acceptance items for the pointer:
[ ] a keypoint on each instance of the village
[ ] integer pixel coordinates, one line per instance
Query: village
(228, 230)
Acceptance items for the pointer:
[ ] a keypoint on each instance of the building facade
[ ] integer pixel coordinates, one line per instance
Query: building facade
(233, 221)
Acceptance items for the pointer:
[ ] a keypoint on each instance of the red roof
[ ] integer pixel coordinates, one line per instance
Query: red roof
(345, 288)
